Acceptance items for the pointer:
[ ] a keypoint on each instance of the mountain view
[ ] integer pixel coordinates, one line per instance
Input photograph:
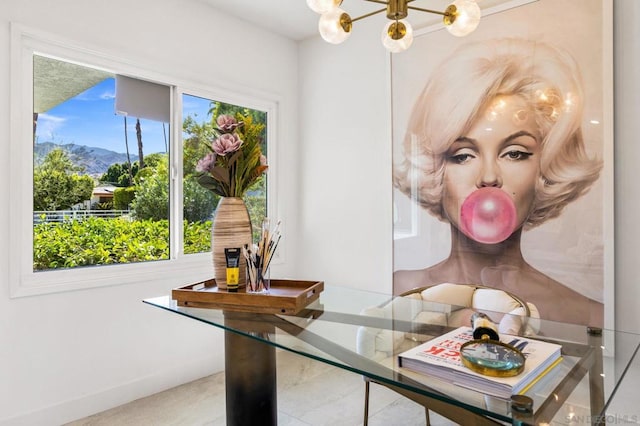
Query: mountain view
(95, 161)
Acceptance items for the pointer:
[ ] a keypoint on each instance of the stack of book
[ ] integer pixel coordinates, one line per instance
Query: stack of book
(440, 357)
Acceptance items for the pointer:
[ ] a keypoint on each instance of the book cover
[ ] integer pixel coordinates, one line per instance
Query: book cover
(440, 357)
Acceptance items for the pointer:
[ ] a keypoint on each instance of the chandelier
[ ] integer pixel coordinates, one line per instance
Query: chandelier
(460, 18)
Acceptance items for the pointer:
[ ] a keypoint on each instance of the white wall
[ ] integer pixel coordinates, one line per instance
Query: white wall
(345, 236)
(68, 355)
(627, 153)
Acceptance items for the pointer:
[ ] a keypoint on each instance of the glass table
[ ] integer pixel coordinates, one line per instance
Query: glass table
(363, 332)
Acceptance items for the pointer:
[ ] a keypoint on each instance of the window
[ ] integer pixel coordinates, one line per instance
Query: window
(100, 172)
(102, 190)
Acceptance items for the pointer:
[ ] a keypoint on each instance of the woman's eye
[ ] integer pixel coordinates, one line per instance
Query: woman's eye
(517, 155)
(460, 158)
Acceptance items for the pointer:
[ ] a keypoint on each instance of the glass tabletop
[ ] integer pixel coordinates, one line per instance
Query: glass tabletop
(364, 332)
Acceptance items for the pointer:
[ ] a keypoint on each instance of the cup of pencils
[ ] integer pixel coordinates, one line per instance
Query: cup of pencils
(259, 258)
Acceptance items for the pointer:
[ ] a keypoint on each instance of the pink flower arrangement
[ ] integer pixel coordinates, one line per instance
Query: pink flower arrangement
(227, 123)
(207, 163)
(236, 161)
(226, 144)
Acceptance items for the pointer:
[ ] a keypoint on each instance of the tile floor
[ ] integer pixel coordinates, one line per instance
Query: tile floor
(309, 393)
(312, 393)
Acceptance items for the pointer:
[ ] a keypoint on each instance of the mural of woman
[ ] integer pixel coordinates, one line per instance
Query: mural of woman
(494, 146)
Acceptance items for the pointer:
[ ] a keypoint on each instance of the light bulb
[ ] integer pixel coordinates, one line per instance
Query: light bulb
(335, 26)
(322, 6)
(397, 36)
(465, 19)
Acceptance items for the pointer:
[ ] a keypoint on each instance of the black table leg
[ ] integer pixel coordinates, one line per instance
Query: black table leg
(250, 379)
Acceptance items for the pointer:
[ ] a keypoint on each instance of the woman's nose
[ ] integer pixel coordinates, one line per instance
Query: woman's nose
(489, 175)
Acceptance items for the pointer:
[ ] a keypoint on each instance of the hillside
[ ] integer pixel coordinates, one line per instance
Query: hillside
(95, 161)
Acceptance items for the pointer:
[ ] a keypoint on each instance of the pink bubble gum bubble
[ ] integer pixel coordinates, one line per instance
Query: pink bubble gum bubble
(488, 216)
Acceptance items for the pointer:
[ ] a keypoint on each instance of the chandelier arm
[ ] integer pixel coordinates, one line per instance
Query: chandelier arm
(427, 10)
(368, 14)
(384, 1)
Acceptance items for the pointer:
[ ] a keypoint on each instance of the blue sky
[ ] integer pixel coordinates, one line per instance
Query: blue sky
(89, 119)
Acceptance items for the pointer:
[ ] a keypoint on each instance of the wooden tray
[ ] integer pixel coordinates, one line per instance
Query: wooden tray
(285, 297)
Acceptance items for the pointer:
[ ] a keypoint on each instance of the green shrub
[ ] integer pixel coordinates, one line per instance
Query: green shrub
(122, 197)
(99, 241)
(197, 237)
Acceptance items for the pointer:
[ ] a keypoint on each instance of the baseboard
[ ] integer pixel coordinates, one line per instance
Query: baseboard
(68, 411)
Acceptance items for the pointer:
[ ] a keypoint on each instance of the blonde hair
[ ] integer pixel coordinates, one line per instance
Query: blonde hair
(460, 89)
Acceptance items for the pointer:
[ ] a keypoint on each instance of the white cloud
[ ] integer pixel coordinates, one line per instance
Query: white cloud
(108, 95)
(92, 94)
(48, 125)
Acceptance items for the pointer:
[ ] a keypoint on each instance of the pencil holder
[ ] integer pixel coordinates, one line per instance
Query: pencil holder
(260, 283)
(259, 256)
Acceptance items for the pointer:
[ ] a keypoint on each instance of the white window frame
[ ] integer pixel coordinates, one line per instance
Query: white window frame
(179, 268)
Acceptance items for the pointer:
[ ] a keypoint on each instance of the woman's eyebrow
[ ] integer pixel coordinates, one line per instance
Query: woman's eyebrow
(516, 135)
(466, 139)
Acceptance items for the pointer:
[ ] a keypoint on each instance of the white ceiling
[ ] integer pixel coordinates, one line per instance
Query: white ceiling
(290, 18)
(293, 18)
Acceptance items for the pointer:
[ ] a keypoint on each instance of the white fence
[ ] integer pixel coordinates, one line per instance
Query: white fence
(70, 215)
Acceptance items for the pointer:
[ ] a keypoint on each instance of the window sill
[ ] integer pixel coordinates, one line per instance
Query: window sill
(196, 266)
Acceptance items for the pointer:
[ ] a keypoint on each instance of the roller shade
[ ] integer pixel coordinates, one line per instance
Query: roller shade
(142, 99)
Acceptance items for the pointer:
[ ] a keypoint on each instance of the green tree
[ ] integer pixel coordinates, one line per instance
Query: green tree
(82, 187)
(52, 190)
(126, 144)
(56, 184)
(118, 174)
(139, 139)
(195, 143)
(199, 203)
(58, 159)
(152, 193)
(152, 160)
